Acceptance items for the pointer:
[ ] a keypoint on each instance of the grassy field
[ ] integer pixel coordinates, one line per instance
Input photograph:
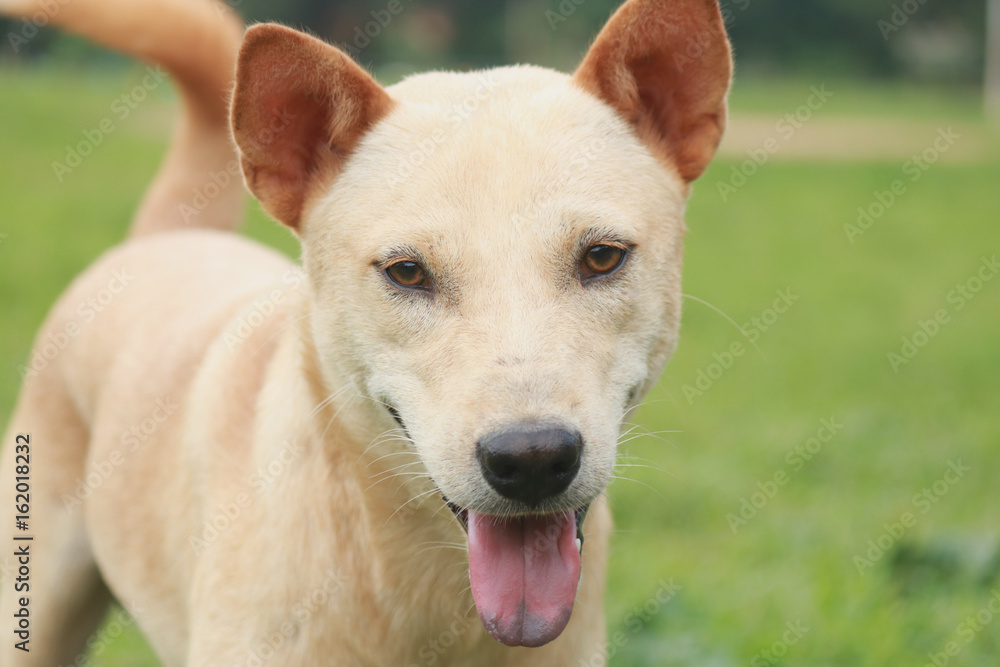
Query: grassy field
(814, 502)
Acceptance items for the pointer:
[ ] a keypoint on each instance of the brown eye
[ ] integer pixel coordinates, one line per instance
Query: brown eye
(600, 260)
(407, 274)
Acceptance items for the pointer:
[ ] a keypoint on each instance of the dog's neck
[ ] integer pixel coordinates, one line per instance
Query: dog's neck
(415, 552)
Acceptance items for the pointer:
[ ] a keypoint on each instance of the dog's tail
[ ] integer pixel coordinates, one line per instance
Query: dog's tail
(199, 183)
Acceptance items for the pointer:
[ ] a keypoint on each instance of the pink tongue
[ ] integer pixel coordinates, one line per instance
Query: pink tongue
(524, 574)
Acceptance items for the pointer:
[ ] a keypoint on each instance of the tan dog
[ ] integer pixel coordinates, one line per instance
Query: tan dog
(269, 466)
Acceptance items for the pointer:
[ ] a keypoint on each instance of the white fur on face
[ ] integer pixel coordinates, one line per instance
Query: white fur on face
(496, 182)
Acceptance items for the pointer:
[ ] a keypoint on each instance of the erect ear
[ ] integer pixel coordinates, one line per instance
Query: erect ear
(299, 109)
(665, 65)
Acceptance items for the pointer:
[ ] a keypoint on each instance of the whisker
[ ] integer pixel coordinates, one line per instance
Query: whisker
(660, 432)
(730, 320)
(442, 545)
(651, 488)
(641, 465)
(399, 477)
(336, 413)
(647, 466)
(391, 472)
(328, 400)
(634, 428)
(640, 405)
(401, 474)
(631, 460)
(415, 456)
(639, 436)
(385, 438)
(414, 498)
(439, 510)
(389, 434)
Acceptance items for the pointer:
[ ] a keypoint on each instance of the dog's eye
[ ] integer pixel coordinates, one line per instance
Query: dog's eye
(601, 260)
(407, 274)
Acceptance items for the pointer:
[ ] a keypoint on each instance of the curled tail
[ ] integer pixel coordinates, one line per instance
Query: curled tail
(199, 183)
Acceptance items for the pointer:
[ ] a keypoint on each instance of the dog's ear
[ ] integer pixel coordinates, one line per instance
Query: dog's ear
(299, 108)
(665, 65)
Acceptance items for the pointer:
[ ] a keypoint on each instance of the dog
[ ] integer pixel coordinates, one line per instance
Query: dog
(345, 461)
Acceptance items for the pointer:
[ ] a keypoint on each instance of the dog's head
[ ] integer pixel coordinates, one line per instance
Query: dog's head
(494, 258)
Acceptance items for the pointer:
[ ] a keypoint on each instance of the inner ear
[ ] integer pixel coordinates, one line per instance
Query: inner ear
(300, 107)
(665, 66)
(296, 141)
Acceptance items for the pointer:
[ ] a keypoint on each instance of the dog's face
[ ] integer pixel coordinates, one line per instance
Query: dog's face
(494, 260)
(524, 275)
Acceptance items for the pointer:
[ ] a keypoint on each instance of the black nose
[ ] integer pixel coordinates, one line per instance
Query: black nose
(530, 462)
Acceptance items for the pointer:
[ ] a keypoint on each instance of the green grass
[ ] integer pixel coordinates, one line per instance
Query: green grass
(825, 358)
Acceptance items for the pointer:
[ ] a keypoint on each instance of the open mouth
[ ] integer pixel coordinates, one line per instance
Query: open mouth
(462, 515)
(524, 572)
(524, 569)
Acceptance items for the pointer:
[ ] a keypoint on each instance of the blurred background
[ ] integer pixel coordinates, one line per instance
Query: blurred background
(814, 482)
(942, 42)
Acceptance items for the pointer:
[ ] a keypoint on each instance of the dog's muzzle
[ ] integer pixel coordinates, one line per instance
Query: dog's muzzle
(525, 569)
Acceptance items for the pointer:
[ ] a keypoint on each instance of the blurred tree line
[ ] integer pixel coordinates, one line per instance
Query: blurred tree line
(925, 39)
